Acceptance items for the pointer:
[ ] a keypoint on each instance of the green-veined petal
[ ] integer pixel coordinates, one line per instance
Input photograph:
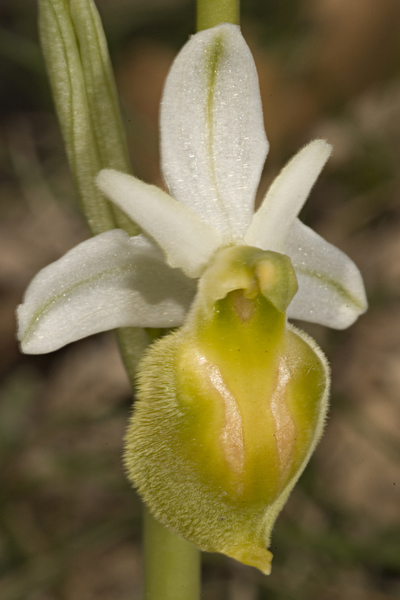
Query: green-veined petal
(106, 282)
(331, 290)
(213, 144)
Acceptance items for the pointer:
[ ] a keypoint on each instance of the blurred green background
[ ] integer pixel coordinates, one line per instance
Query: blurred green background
(69, 522)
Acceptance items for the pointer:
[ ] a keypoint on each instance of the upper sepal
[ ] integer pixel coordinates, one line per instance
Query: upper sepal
(213, 144)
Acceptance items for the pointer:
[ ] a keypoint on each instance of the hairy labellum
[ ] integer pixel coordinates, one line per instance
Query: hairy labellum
(229, 409)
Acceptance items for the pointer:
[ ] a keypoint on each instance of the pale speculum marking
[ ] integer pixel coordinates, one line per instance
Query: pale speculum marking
(285, 430)
(231, 435)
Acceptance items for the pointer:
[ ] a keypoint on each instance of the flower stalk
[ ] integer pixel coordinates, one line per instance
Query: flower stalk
(213, 12)
(171, 565)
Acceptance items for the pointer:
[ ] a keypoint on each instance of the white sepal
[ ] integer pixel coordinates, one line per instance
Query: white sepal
(108, 281)
(286, 196)
(331, 290)
(213, 144)
(188, 242)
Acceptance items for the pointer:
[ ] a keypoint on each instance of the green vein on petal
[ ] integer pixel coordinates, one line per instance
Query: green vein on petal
(335, 285)
(80, 284)
(216, 53)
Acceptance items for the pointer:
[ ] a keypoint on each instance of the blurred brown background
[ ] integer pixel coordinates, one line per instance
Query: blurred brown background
(69, 523)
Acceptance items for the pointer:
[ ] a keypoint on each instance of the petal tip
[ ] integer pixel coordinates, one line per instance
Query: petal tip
(105, 179)
(320, 148)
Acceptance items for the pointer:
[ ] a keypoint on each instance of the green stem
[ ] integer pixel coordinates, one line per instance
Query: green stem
(214, 12)
(172, 566)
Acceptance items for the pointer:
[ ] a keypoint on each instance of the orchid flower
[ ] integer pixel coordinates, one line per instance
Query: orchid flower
(213, 149)
(201, 244)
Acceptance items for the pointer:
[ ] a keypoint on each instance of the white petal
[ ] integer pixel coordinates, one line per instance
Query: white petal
(331, 290)
(106, 282)
(286, 196)
(188, 242)
(213, 144)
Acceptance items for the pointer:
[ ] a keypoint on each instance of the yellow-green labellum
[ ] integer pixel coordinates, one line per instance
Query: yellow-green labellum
(229, 410)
